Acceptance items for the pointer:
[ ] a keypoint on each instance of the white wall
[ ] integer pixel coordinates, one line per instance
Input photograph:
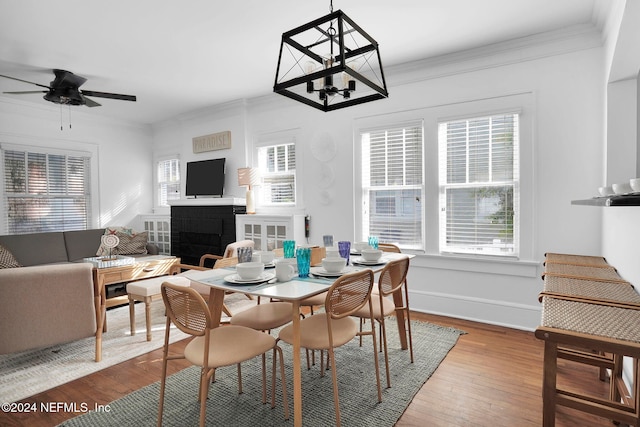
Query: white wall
(123, 152)
(568, 139)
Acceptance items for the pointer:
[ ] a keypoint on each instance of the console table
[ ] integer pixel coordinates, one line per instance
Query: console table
(147, 267)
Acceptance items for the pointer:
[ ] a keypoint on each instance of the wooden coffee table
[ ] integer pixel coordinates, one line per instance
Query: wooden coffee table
(147, 267)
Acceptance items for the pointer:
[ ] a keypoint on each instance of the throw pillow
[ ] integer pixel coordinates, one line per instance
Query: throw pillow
(131, 243)
(7, 260)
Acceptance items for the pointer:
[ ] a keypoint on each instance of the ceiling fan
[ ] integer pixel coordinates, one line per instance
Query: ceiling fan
(65, 89)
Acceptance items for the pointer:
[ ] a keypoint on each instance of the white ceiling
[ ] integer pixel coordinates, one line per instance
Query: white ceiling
(179, 56)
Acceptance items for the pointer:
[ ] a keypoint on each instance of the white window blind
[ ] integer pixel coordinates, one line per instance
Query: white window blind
(277, 164)
(46, 191)
(392, 185)
(479, 185)
(168, 181)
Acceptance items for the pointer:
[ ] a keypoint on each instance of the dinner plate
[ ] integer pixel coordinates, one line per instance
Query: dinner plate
(237, 280)
(363, 261)
(271, 264)
(320, 271)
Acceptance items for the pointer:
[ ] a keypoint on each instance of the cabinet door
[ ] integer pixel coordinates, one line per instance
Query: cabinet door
(253, 231)
(276, 235)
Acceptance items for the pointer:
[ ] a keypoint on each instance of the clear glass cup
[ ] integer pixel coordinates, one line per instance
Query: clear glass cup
(289, 248)
(344, 248)
(327, 240)
(303, 256)
(244, 254)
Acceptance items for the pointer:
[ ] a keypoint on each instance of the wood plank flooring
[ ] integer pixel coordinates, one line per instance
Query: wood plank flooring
(492, 377)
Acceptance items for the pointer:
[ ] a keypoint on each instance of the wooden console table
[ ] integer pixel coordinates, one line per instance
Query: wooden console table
(149, 266)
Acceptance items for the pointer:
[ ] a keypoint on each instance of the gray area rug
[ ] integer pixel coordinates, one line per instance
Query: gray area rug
(31, 372)
(356, 378)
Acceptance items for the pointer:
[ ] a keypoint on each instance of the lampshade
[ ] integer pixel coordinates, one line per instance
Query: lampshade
(330, 63)
(248, 176)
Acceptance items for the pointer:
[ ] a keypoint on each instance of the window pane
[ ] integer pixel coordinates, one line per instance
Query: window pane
(168, 181)
(46, 192)
(277, 168)
(478, 178)
(393, 185)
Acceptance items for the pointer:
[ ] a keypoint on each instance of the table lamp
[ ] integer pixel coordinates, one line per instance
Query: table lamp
(249, 177)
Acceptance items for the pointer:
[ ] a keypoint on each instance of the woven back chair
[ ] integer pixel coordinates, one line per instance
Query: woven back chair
(335, 327)
(188, 311)
(389, 247)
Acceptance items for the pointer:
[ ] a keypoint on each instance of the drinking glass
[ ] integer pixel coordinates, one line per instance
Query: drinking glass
(327, 239)
(245, 254)
(289, 247)
(373, 242)
(303, 256)
(345, 249)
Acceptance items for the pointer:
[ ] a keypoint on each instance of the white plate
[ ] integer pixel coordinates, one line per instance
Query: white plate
(271, 264)
(355, 253)
(363, 261)
(235, 279)
(320, 271)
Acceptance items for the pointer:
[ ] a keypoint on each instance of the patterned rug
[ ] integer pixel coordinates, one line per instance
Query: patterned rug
(356, 378)
(27, 373)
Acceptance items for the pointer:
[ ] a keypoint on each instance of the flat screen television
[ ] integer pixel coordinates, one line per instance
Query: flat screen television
(205, 178)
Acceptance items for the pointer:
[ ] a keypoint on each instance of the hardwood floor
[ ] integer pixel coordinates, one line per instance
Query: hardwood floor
(492, 377)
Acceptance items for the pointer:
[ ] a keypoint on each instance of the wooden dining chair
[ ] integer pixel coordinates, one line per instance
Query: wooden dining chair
(392, 279)
(334, 327)
(212, 347)
(389, 247)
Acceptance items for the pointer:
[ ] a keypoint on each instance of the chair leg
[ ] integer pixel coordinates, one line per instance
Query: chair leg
(132, 314)
(163, 380)
(383, 328)
(285, 398)
(147, 316)
(334, 376)
(239, 379)
(409, 331)
(264, 378)
(204, 391)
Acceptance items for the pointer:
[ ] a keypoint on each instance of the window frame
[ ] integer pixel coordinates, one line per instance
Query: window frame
(364, 189)
(523, 102)
(274, 139)
(64, 148)
(473, 185)
(157, 183)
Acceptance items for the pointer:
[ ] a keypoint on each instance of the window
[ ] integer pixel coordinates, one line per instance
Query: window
(392, 184)
(168, 181)
(46, 191)
(479, 185)
(277, 164)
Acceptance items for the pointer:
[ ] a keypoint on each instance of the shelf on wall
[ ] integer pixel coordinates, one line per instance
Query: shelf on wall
(631, 199)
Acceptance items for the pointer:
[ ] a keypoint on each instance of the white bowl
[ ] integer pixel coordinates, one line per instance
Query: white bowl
(371, 254)
(606, 191)
(635, 184)
(622, 188)
(249, 270)
(334, 265)
(360, 246)
(266, 257)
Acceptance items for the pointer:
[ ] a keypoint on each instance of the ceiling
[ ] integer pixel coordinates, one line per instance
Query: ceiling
(180, 56)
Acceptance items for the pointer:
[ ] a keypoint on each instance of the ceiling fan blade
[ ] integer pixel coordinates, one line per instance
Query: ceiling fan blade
(24, 81)
(27, 91)
(89, 102)
(109, 95)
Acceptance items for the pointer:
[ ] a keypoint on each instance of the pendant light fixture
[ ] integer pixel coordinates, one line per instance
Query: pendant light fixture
(330, 63)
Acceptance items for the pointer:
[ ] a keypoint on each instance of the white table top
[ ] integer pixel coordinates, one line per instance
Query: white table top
(295, 289)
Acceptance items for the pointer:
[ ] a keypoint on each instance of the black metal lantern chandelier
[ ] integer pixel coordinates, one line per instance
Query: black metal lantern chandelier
(330, 63)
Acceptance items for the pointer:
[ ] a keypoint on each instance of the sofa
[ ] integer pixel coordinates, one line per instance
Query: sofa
(50, 298)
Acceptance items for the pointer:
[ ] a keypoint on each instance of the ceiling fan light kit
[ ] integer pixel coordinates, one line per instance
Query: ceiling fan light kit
(65, 90)
(330, 63)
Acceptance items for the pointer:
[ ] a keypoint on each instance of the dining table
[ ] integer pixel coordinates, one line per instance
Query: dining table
(293, 291)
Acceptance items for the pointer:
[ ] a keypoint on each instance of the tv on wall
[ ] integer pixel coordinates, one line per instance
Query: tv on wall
(205, 178)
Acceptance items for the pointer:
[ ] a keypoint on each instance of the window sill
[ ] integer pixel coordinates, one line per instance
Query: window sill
(492, 265)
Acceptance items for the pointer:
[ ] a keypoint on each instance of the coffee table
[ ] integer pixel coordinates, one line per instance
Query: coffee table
(145, 268)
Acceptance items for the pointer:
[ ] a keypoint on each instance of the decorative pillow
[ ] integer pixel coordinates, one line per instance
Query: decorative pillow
(131, 243)
(7, 260)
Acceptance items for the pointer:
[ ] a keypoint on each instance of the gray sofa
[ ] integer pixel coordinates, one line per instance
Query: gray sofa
(50, 299)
